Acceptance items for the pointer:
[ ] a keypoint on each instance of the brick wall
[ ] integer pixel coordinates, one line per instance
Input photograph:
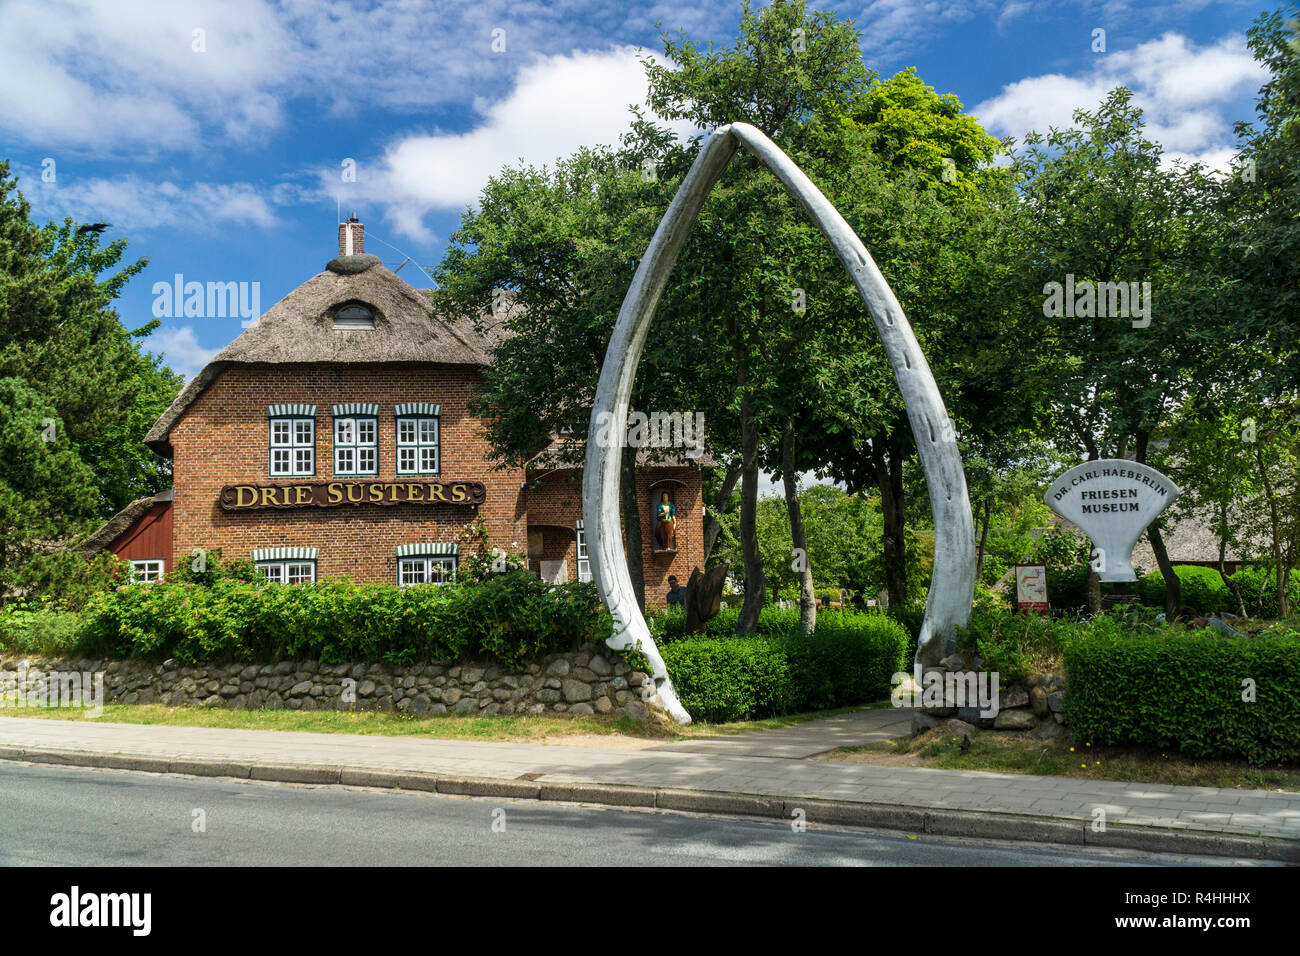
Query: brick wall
(555, 499)
(222, 439)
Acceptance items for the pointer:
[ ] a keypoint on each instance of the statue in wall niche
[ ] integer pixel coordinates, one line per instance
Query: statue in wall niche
(665, 524)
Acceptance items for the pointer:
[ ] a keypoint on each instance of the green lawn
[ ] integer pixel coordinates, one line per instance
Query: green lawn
(447, 726)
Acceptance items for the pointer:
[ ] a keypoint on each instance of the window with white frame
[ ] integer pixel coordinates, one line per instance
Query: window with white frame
(293, 440)
(286, 565)
(356, 446)
(288, 572)
(146, 572)
(426, 563)
(418, 439)
(584, 561)
(426, 570)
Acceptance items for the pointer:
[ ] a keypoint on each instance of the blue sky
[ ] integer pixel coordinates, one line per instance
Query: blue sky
(213, 134)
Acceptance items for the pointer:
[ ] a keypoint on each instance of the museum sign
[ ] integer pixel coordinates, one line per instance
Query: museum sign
(1112, 500)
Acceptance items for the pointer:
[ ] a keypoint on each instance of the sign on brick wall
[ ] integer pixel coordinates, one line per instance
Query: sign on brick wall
(335, 493)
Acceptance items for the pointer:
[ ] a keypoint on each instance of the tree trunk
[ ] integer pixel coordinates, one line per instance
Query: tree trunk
(1230, 584)
(755, 586)
(632, 523)
(711, 526)
(888, 460)
(1173, 587)
(984, 535)
(807, 600)
(1275, 528)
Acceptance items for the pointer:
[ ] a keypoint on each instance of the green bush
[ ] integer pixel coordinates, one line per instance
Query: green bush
(38, 630)
(1067, 587)
(1171, 687)
(1013, 643)
(669, 625)
(849, 660)
(1203, 589)
(510, 618)
(1259, 591)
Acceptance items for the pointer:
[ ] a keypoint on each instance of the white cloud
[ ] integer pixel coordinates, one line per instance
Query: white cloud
(180, 349)
(1183, 90)
(84, 75)
(133, 202)
(558, 104)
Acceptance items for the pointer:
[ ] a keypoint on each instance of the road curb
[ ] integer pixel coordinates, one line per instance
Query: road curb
(958, 823)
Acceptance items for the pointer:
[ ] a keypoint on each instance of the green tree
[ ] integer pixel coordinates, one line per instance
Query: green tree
(58, 332)
(65, 355)
(790, 73)
(546, 256)
(1259, 247)
(47, 495)
(124, 467)
(1120, 266)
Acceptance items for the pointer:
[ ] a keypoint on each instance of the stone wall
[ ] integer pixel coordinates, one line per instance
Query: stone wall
(1033, 705)
(590, 681)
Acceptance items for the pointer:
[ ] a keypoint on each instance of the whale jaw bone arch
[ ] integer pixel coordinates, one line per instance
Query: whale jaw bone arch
(952, 583)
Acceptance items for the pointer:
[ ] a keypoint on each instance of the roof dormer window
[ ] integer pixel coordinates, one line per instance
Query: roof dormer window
(354, 316)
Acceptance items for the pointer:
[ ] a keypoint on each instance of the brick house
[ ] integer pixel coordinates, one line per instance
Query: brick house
(334, 437)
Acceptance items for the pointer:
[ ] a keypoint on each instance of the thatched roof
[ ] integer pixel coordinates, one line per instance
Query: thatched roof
(300, 329)
(112, 529)
(1193, 541)
(1189, 541)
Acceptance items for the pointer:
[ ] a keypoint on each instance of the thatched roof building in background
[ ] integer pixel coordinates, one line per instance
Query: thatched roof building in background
(1191, 540)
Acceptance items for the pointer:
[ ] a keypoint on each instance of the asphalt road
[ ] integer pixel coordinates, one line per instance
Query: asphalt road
(70, 816)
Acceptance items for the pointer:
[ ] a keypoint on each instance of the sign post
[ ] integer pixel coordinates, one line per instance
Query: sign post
(1031, 588)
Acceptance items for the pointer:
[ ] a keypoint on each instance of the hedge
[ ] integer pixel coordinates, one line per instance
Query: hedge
(1182, 689)
(669, 626)
(510, 618)
(1203, 589)
(851, 659)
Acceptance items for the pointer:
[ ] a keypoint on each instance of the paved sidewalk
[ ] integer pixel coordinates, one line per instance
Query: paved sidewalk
(1014, 806)
(808, 738)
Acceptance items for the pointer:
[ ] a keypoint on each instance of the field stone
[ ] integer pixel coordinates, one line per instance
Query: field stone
(1014, 720)
(1038, 700)
(1049, 730)
(1013, 697)
(636, 710)
(575, 691)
